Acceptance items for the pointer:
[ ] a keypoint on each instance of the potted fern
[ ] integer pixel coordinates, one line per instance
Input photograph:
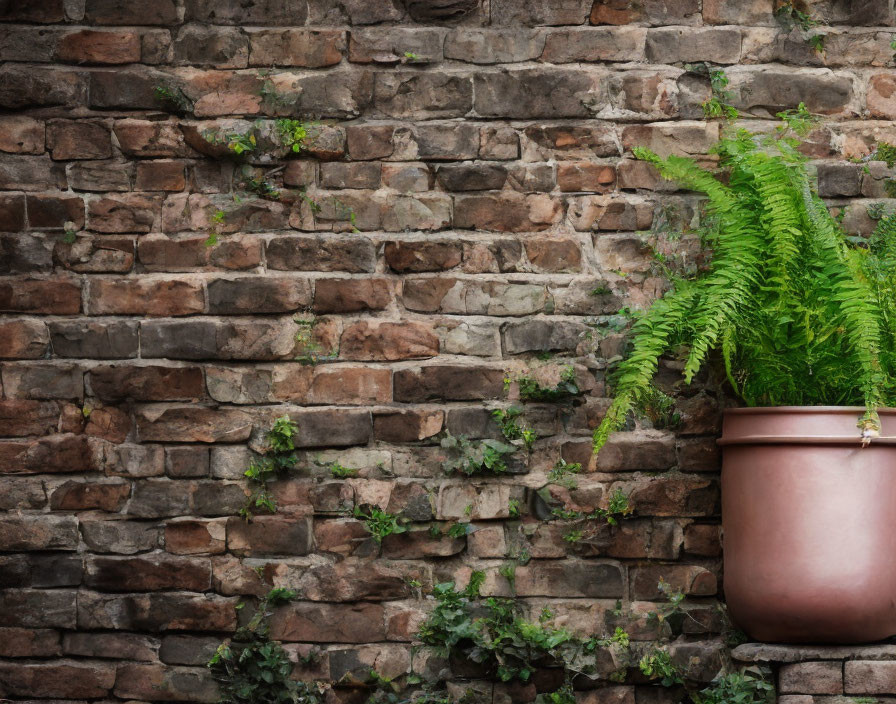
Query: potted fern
(801, 320)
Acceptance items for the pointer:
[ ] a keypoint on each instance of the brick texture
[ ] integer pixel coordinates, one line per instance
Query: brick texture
(477, 207)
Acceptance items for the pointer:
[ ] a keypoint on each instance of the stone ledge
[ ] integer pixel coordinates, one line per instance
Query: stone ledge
(773, 653)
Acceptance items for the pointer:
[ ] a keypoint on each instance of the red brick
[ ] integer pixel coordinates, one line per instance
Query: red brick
(44, 12)
(116, 12)
(351, 295)
(150, 573)
(126, 213)
(405, 257)
(29, 643)
(86, 496)
(554, 255)
(52, 211)
(193, 424)
(92, 47)
(79, 139)
(12, 213)
(115, 383)
(585, 176)
(54, 453)
(155, 297)
(145, 138)
(57, 297)
(269, 535)
(257, 294)
(38, 533)
(407, 426)
(155, 612)
(306, 622)
(59, 679)
(447, 382)
(703, 540)
(383, 341)
(160, 176)
(195, 536)
(161, 253)
(296, 47)
(21, 135)
(689, 579)
(157, 682)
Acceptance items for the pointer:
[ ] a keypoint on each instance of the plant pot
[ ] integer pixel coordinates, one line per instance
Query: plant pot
(809, 518)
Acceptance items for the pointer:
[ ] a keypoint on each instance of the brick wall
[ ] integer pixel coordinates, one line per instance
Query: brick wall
(483, 150)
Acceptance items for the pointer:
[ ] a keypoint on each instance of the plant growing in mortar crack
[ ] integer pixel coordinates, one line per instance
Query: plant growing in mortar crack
(798, 313)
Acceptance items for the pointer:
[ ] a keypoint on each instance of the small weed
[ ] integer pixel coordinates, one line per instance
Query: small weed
(218, 218)
(511, 429)
(531, 390)
(279, 459)
(292, 133)
(886, 152)
(658, 665)
(173, 98)
(563, 472)
(789, 17)
(379, 523)
(475, 457)
(340, 472)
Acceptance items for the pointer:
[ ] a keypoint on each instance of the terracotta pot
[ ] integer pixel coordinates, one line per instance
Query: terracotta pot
(809, 519)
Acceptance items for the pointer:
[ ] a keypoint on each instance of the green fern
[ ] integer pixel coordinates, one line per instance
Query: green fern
(795, 313)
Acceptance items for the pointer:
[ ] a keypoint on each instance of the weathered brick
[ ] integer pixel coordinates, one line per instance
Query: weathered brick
(157, 682)
(221, 47)
(340, 385)
(23, 339)
(155, 612)
(310, 622)
(691, 580)
(176, 423)
(39, 533)
(670, 45)
(59, 679)
(116, 12)
(162, 175)
(119, 536)
(97, 340)
(29, 643)
(538, 93)
(21, 135)
(148, 573)
(263, 12)
(269, 535)
(99, 47)
(296, 47)
(251, 294)
(128, 646)
(354, 255)
(508, 212)
(447, 382)
(86, 496)
(407, 426)
(187, 461)
(815, 677)
(539, 12)
(146, 296)
(196, 537)
(594, 44)
(38, 87)
(383, 341)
